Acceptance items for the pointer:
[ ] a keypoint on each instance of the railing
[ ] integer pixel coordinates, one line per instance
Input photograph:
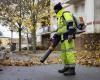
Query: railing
(73, 1)
(43, 30)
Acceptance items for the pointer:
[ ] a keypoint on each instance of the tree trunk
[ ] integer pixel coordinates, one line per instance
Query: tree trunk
(33, 17)
(11, 36)
(20, 39)
(27, 41)
(34, 40)
(20, 23)
(11, 42)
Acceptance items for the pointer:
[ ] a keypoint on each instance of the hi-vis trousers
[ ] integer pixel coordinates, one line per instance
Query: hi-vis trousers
(68, 52)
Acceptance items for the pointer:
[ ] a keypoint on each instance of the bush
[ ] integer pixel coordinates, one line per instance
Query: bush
(37, 48)
(30, 48)
(24, 48)
(41, 48)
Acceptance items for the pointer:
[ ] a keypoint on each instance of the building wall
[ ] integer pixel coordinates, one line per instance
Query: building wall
(97, 16)
(90, 11)
(89, 15)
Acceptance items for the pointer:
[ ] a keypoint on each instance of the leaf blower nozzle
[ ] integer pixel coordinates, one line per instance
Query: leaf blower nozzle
(56, 39)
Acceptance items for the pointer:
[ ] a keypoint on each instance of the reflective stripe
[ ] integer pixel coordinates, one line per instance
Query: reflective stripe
(71, 27)
(69, 21)
(70, 36)
(69, 50)
(62, 38)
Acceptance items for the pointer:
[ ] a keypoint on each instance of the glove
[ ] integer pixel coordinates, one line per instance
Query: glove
(55, 35)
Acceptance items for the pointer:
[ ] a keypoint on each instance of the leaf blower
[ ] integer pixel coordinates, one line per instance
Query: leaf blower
(54, 41)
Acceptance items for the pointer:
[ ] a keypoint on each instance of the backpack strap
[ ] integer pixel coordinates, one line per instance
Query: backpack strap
(63, 15)
(75, 20)
(72, 30)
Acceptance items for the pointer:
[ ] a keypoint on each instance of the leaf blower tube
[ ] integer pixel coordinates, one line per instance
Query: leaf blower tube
(55, 40)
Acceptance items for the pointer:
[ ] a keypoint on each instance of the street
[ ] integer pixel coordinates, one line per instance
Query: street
(48, 72)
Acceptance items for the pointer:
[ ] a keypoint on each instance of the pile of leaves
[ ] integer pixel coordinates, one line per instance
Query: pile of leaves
(28, 59)
(91, 58)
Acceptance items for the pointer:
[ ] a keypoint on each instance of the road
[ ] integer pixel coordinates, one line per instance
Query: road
(48, 72)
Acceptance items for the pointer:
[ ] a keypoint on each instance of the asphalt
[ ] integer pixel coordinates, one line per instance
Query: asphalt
(48, 72)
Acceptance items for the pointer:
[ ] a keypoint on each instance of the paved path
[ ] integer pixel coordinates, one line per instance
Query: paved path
(48, 72)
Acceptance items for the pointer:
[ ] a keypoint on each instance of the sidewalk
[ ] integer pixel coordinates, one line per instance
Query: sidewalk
(27, 59)
(48, 72)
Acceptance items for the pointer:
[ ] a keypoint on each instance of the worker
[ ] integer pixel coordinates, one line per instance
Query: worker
(66, 28)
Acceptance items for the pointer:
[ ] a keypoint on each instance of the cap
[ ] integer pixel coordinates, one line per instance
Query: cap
(58, 6)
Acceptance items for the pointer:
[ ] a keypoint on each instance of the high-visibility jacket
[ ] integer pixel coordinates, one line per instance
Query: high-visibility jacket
(63, 20)
(68, 53)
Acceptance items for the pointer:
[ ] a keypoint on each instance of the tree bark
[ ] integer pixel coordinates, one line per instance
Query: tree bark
(34, 40)
(27, 41)
(20, 23)
(20, 39)
(33, 17)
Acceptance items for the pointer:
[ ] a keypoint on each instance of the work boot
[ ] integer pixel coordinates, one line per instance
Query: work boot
(63, 70)
(70, 71)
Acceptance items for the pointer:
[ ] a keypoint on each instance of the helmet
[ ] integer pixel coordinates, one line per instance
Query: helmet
(57, 7)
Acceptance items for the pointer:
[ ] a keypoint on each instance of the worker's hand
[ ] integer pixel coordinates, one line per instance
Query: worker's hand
(55, 35)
